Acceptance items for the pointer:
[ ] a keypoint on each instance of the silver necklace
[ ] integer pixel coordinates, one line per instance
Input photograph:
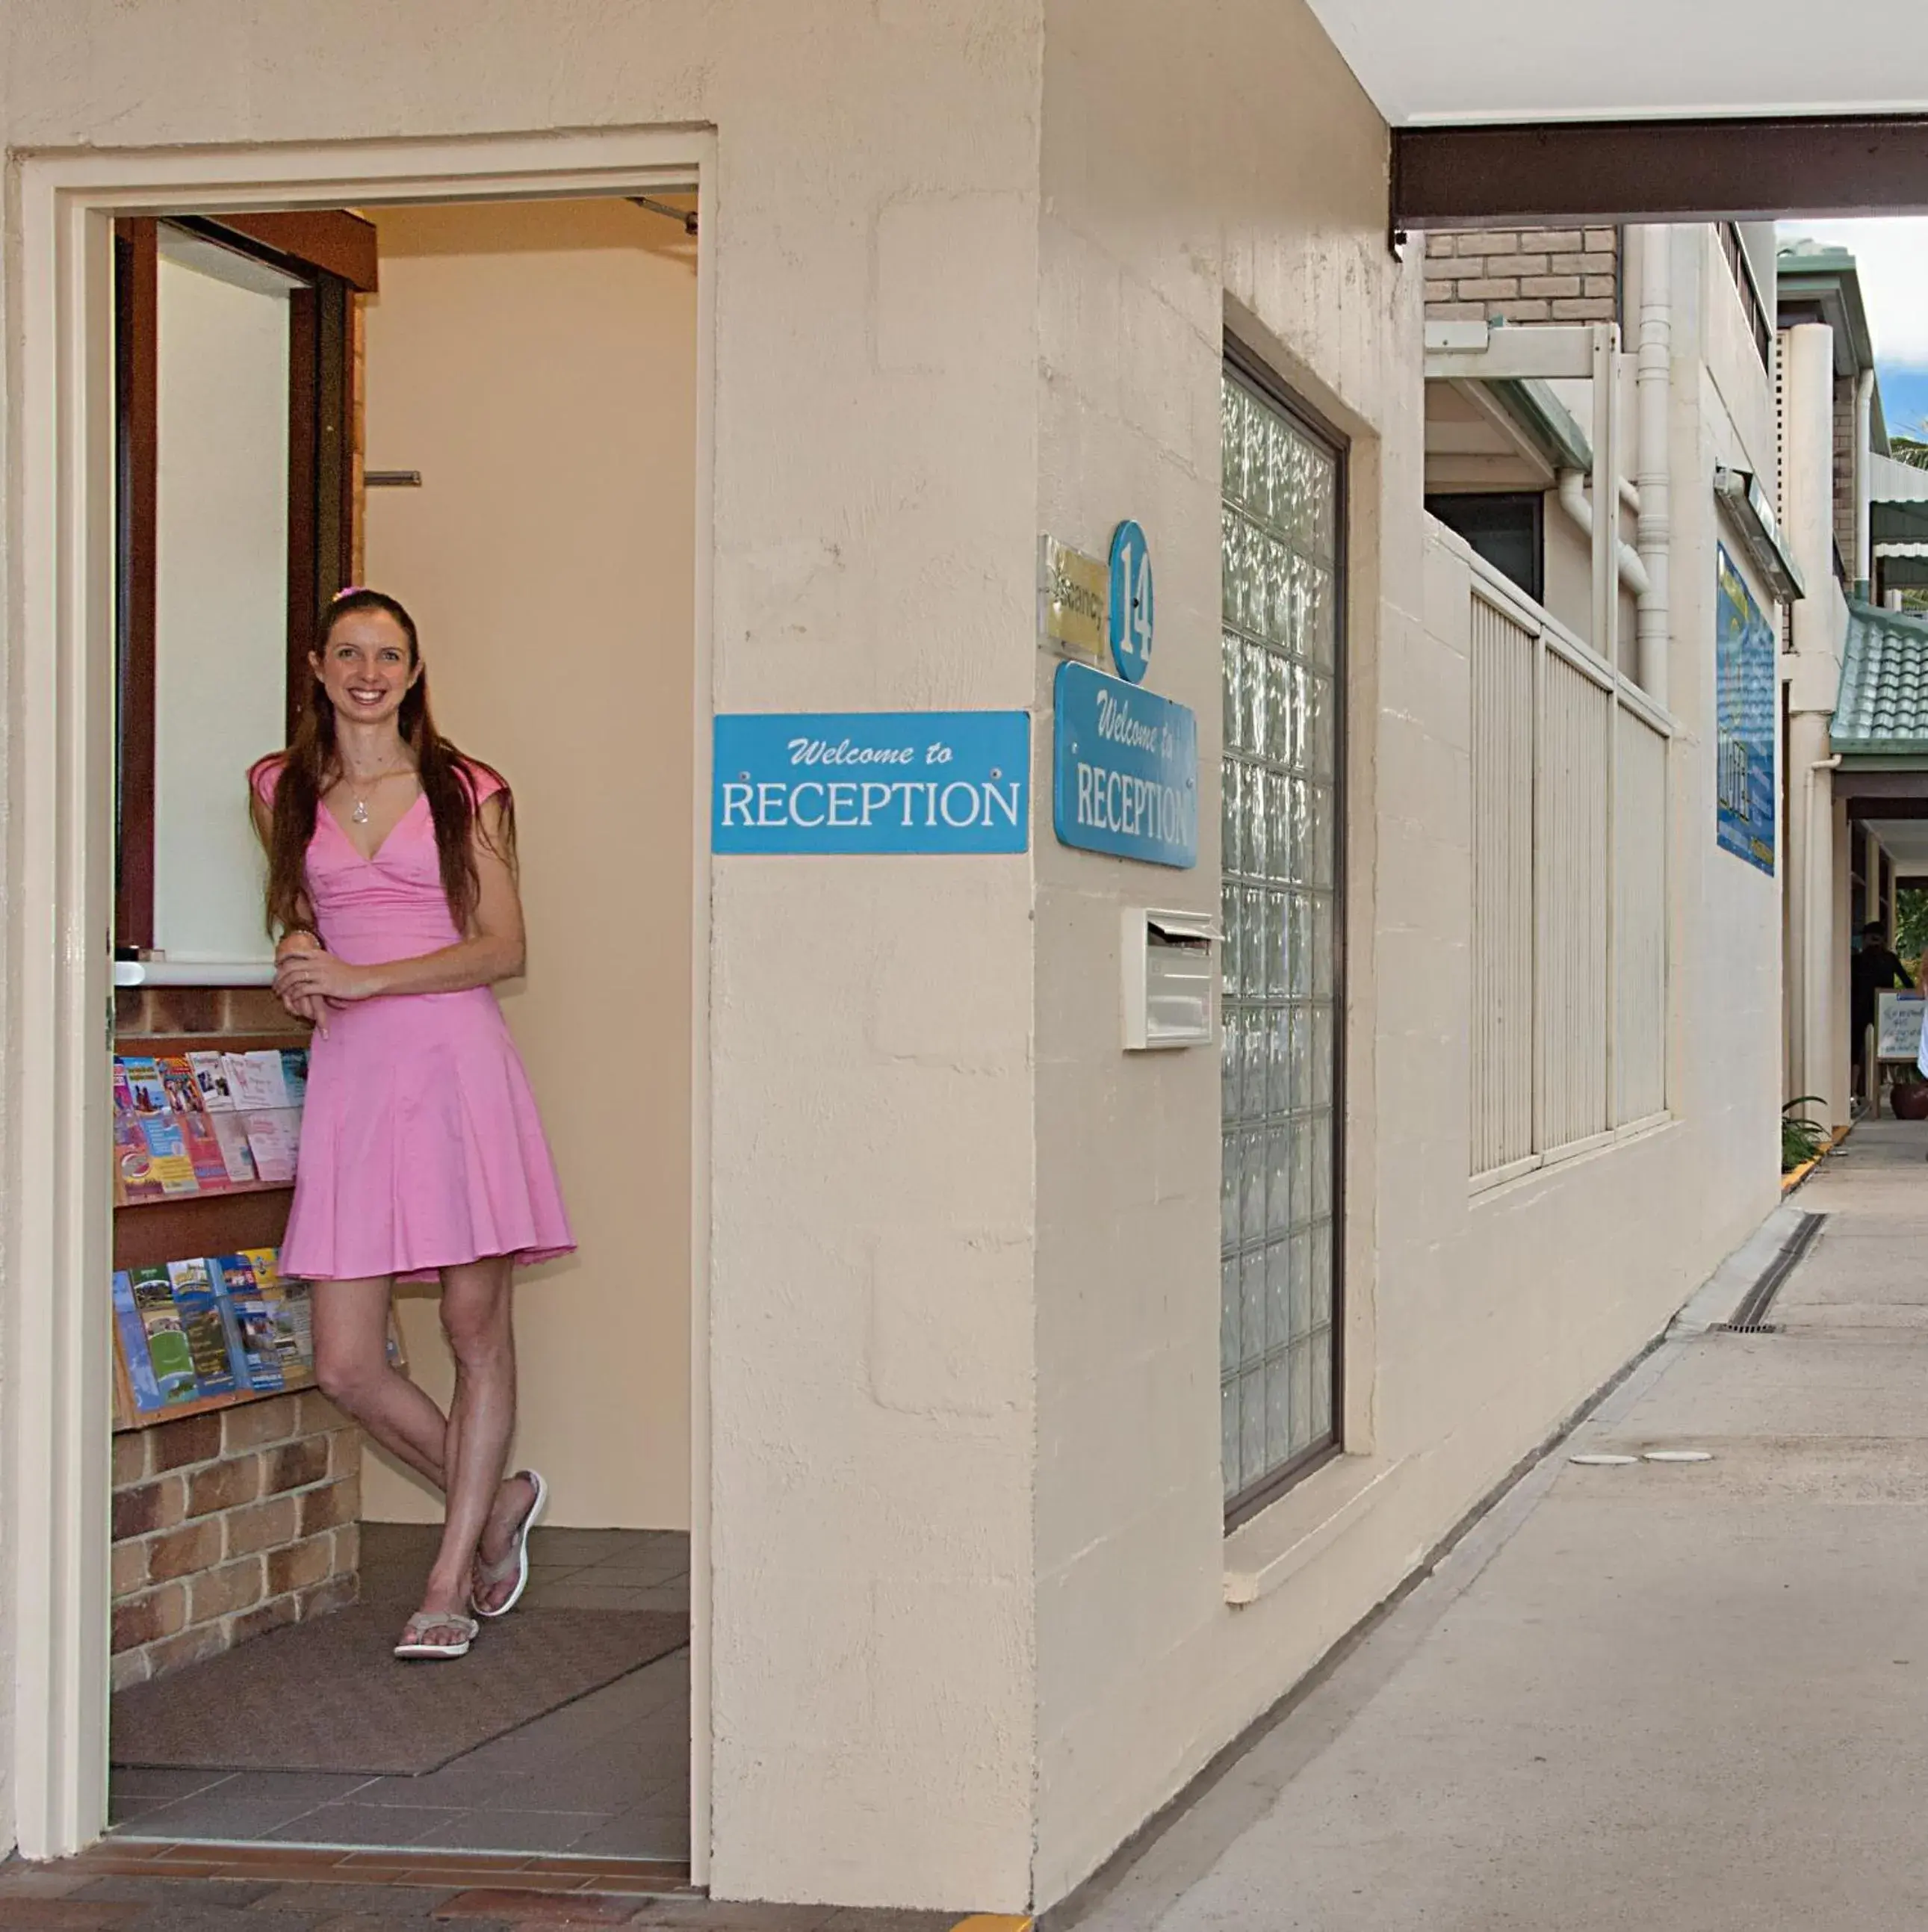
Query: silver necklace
(359, 814)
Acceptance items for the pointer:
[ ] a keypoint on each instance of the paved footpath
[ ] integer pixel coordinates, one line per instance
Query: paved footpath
(1691, 1697)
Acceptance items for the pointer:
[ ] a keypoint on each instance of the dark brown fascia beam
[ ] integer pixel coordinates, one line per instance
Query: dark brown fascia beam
(1569, 173)
(321, 238)
(1870, 796)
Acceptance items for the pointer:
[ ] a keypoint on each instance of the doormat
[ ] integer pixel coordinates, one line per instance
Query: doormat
(328, 1696)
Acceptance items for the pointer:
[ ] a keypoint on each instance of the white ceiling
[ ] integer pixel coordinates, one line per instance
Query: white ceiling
(1549, 60)
(1905, 841)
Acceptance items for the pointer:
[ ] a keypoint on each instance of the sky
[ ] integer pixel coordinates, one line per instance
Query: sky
(1892, 255)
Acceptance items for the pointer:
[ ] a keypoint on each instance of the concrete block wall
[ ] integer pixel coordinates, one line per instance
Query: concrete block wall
(228, 1524)
(1523, 274)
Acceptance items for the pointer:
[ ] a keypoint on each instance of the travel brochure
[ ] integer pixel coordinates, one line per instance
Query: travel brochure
(206, 1123)
(219, 1325)
(216, 1325)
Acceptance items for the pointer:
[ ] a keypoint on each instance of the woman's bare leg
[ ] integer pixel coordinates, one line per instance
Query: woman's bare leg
(351, 1325)
(476, 1306)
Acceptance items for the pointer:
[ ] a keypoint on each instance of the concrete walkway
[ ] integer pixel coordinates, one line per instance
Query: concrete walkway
(1691, 1697)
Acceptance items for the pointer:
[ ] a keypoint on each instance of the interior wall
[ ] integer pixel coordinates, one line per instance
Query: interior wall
(220, 600)
(537, 363)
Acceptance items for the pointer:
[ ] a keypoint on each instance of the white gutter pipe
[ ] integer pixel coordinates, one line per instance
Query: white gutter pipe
(1578, 504)
(1654, 532)
(1864, 430)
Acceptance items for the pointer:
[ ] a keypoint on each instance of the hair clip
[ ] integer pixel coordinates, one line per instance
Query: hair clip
(348, 590)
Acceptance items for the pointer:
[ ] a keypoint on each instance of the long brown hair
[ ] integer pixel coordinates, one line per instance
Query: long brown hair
(312, 764)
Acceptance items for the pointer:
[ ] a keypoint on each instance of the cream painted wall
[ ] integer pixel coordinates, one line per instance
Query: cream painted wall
(1169, 172)
(875, 225)
(220, 594)
(537, 363)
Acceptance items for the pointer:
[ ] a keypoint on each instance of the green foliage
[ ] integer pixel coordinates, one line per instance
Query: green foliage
(1910, 922)
(1912, 450)
(1801, 1139)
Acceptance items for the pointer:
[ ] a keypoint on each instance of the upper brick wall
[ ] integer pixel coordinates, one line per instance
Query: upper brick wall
(1523, 274)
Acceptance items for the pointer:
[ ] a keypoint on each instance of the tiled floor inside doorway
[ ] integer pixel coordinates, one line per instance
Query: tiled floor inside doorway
(606, 1776)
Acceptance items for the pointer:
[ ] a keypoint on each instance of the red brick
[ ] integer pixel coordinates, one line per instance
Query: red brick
(130, 1465)
(155, 1505)
(130, 1568)
(263, 1526)
(324, 1509)
(264, 1617)
(227, 1486)
(252, 1425)
(192, 1646)
(220, 1593)
(337, 1594)
(318, 1414)
(179, 1553)
(344, 1453)
(294, 1466)
(129, 1667)
(185, 1009)
(143, 1620)
(348, 1550)
(193, 1439)
(300, 1565)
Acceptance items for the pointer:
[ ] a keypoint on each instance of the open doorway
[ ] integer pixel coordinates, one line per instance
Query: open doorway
(489, 410)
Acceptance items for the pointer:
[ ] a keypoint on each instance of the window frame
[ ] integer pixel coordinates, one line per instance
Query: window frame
(1241, 363)
(335, 261)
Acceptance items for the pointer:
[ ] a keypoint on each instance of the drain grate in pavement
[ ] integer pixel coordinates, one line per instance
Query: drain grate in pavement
(1750, 1318)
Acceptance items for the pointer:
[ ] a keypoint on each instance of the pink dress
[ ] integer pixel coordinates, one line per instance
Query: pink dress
(421, 1147)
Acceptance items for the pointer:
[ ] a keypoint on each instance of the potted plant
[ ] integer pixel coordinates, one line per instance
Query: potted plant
(1802, 1140)
(1908, 1093)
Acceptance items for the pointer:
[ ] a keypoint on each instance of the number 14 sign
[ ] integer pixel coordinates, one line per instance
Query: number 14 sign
(1129, 614)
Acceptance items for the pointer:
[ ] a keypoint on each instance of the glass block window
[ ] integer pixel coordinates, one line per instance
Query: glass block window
(1280, 851)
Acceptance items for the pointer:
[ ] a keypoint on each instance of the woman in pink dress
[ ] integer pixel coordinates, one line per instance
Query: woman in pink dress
(392, 886)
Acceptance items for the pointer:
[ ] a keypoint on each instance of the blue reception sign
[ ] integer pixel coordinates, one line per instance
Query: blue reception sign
(1130, 621)
(1124, 777)
(872, 781)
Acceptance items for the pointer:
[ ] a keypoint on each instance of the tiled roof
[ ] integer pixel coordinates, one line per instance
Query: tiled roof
(1882, 707)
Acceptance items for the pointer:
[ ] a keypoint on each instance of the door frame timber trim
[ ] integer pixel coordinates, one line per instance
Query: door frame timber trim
(56, 753)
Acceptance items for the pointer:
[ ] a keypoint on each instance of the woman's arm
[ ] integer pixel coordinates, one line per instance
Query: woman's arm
(491, 951)
(297, 939)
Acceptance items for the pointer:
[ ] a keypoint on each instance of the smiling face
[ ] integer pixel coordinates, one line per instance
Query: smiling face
(366, 666)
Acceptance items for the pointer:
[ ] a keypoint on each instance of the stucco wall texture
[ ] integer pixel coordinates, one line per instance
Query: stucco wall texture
(973, 261)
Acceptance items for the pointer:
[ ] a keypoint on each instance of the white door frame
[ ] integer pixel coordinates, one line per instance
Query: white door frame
(56, 888)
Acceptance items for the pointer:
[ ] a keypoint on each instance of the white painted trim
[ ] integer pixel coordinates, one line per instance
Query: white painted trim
(55, 1250)
(194, 972)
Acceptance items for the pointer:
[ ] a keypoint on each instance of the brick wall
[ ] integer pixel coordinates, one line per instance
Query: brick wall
(1523, 274)
(228, 1524)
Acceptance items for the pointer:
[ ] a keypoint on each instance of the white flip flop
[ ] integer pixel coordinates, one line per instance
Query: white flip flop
(516, 1563)
(415, 1642)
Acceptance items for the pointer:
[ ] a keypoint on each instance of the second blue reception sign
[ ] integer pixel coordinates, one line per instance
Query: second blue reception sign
(1125, 769)
(871, 781)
